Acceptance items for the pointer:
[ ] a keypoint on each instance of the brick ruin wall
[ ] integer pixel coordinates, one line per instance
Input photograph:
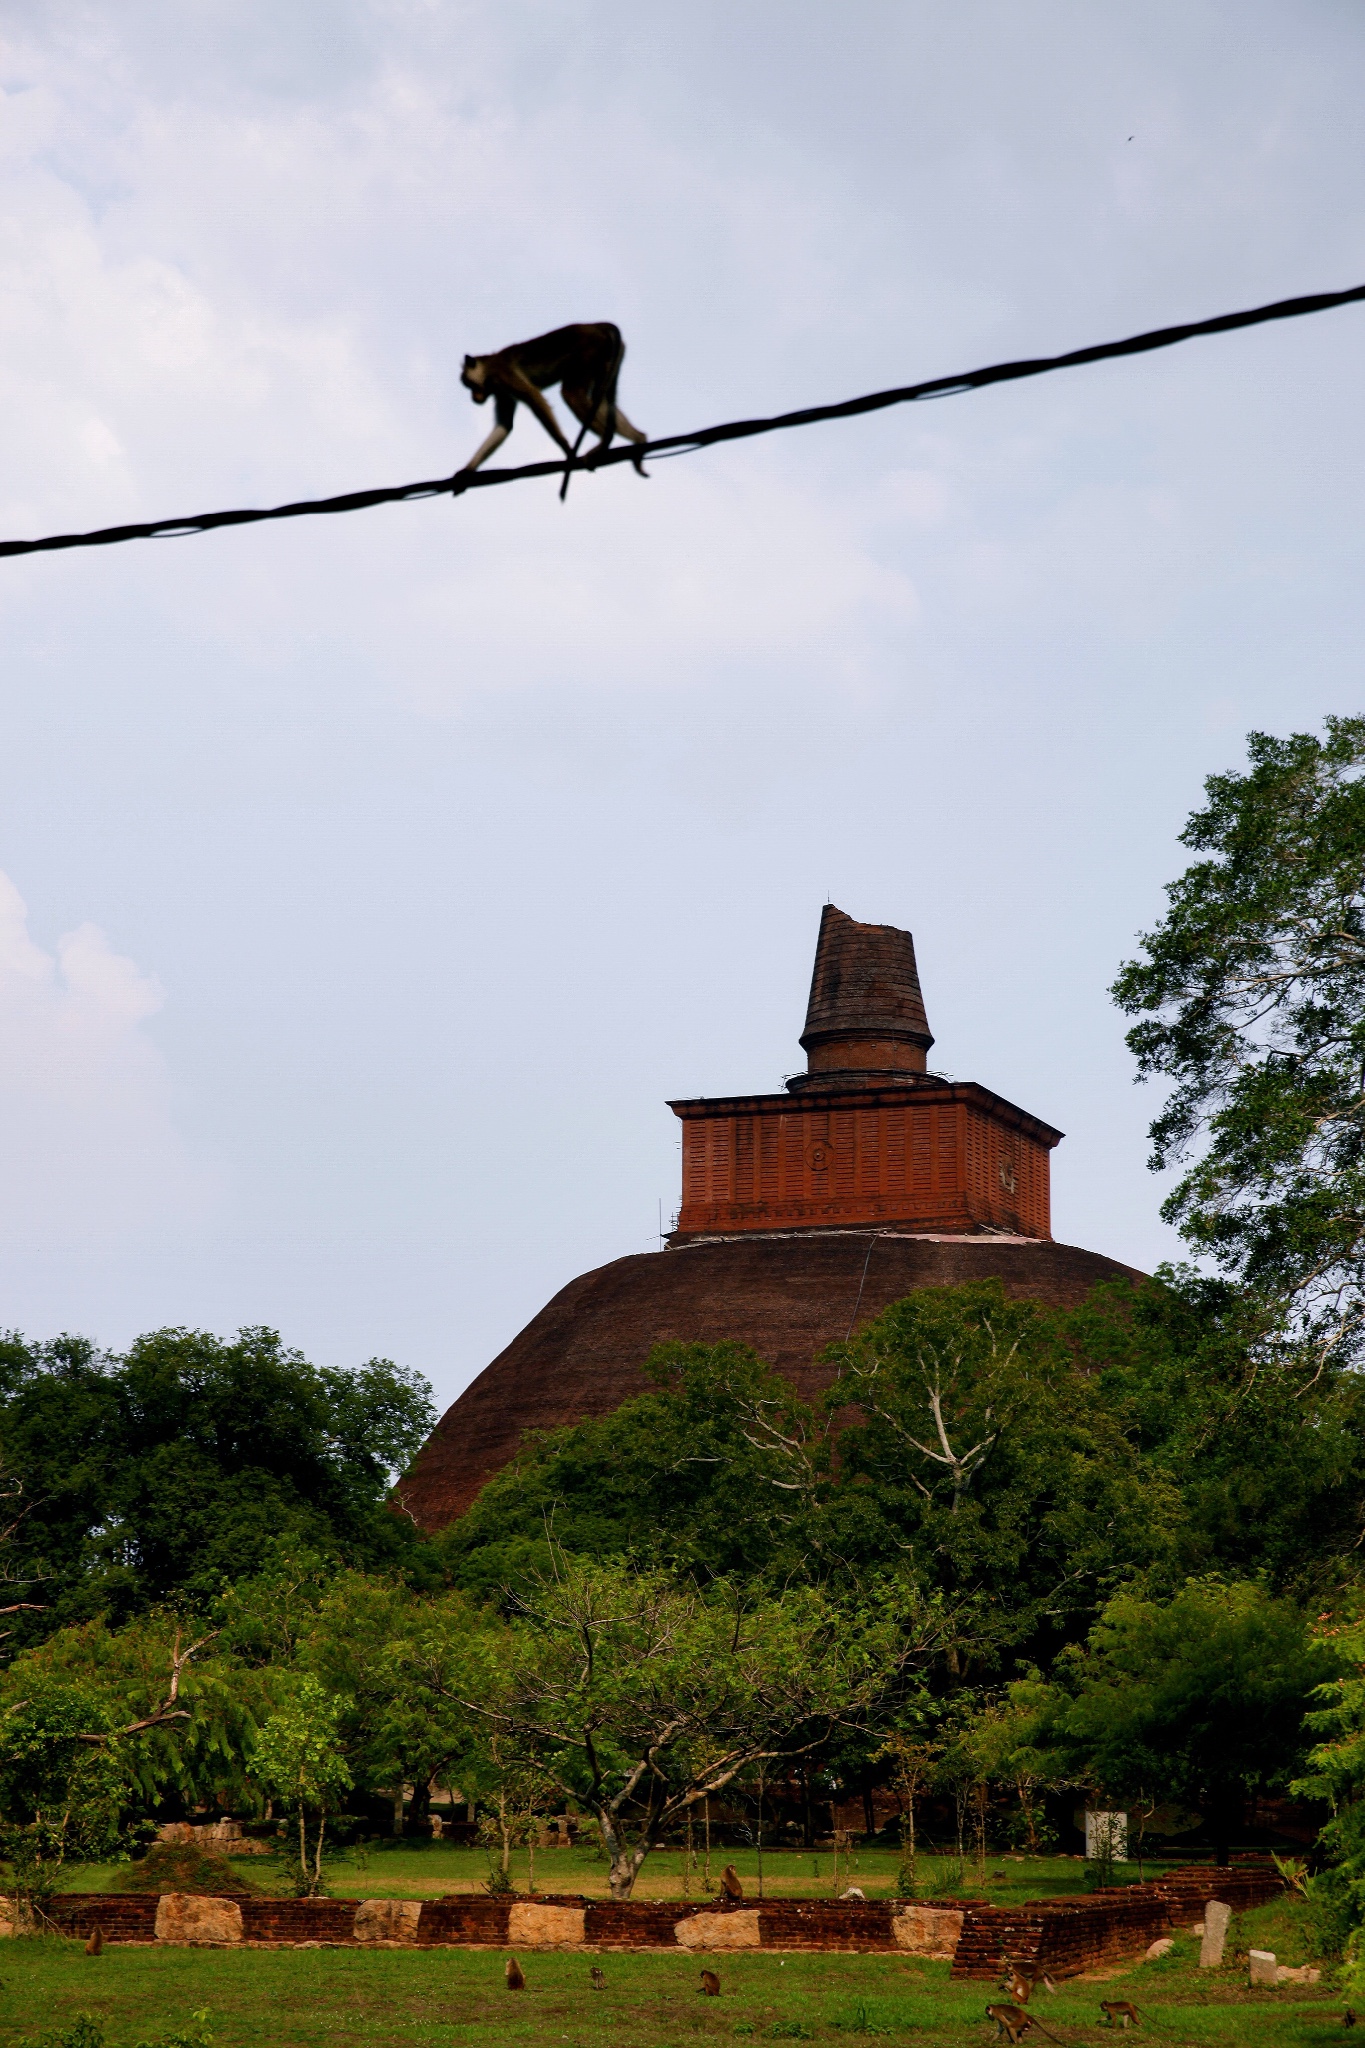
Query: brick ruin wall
(1066, 1936)
(1063, 1936)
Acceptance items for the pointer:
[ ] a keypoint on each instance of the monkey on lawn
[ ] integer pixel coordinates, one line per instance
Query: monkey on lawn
(1021, 1981)
(1012, 2023)
(585, 362)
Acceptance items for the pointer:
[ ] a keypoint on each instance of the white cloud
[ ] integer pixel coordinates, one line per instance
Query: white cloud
(87, 1131)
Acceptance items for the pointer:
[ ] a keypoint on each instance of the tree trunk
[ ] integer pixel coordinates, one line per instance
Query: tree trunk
(623, 1862)
(760, 1834)
(1225, 1817)
(419, 1812)
(908, 1828)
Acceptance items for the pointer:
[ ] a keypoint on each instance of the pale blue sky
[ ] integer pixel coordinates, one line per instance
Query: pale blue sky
(372, 882)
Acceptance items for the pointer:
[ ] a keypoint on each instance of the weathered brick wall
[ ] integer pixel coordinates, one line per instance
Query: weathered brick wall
(120, 1917)
(474, 1919)
(289, 1920)
(639, 1923)
(1067, 1936)
(1063, 1935)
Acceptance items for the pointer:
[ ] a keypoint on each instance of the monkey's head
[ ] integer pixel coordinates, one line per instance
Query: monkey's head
(474, 377)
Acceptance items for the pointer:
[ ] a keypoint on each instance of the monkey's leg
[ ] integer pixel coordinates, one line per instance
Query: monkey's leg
(543, 411)
(608, 420)
(494, 441)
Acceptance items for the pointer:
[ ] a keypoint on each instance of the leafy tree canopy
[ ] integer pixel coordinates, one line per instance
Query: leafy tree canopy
(638, 1694)
(683, 1477)
(1251, 996)
(1199, 1698)
(1262, 1444)
(1146, 1435)
(188, 1461)
(1000, 1471)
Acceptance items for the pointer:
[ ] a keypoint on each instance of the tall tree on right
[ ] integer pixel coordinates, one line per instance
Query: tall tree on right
(1251, 1000)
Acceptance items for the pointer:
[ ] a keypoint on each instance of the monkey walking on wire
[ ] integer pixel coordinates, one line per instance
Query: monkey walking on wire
(585, 362)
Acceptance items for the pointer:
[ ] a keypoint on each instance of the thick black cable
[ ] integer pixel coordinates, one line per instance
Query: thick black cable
(706, 437)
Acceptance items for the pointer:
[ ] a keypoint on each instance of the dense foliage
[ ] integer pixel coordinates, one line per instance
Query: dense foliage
(1143, 1436)
(1197, 1700)
(1252, 999)
(188, 1461)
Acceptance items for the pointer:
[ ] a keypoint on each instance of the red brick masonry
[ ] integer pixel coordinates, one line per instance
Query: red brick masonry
(1065, 1936)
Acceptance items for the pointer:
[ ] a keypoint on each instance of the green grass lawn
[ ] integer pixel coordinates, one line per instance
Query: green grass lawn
(455, 1998)
(415, 1870)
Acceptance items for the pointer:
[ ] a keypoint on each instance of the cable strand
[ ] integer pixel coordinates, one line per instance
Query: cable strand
(704, 437)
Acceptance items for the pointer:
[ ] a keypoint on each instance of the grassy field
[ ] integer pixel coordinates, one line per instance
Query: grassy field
(455, 1998)
(415, 1870)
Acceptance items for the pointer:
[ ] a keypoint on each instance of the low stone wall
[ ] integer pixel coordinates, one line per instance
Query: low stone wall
(542, 1922)
(1063, 1936)
(1066, 1936)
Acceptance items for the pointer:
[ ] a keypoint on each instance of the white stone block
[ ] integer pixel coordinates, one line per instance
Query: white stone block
(533, 1926)
(718, 1930)
(387, 1919)
(1263, 1968)
(932, 1931)
(185, 1918)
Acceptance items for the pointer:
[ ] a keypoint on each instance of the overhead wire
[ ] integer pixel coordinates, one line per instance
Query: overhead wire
(703, 437)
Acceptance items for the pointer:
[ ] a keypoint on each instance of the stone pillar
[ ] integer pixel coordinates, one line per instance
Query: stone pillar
(1216, 1918)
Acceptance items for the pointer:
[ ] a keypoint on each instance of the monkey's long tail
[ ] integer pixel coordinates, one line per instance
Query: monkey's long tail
(595, 397)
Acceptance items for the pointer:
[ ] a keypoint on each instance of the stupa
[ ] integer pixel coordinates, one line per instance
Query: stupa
(804, 1214)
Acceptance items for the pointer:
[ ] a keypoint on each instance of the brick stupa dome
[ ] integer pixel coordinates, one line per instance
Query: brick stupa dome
(803, 1215)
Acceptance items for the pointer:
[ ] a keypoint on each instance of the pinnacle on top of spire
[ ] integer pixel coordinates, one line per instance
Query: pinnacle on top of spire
(865, 1022)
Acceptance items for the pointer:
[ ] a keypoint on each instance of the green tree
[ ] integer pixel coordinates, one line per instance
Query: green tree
(1258, 1448)
(639, 1696)
(190, 1748)
(1335, 1773)
(1251, 995)
(367, 1646)
(1004, 1474)
(298, 1758)
(73, 1772)
(189, 1461)
(695, 1475)
(1198, 1699)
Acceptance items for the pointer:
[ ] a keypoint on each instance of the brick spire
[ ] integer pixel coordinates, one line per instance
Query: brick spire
(865, 1020)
